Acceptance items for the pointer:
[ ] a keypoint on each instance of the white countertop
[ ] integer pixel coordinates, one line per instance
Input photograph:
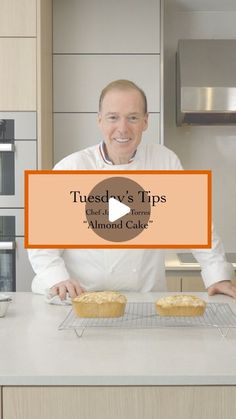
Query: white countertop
(172, 263)
(34, 352)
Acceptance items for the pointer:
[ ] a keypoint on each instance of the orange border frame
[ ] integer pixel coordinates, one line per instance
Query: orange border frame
(121, 172)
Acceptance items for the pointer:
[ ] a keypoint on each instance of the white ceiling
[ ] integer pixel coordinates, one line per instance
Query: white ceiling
(200, 5)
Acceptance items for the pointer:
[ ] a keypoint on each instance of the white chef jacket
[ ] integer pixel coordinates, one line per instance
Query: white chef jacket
(120, 269)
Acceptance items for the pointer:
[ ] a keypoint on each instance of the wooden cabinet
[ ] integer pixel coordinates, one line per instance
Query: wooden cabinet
(193, 283)
(173, 283)
(211, 402)
(44, 84)
(18, 18)
(185, 281)
(26, 66)
(18, 74)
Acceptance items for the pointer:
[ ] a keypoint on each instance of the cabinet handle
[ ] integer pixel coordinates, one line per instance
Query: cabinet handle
(7, 245)
(7, 147)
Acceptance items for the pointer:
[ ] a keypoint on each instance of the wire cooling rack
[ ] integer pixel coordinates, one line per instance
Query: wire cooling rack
(143, 315)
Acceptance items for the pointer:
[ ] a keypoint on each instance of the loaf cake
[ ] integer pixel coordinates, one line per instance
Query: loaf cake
(100, 304)
(180, 305)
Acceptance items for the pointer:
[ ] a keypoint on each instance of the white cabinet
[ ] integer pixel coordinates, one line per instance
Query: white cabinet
(95, 43)
(125, 26)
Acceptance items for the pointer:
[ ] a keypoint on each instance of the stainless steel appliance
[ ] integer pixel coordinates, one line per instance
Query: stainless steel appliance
(15, 270)
(206, 81)
(18, 152)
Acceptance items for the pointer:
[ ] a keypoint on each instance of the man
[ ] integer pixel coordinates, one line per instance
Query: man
(122, 119)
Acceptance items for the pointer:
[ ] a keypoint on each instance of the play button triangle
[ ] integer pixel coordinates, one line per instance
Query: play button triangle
(117, 209)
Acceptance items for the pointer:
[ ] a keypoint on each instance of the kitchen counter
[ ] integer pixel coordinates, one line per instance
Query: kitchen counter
(35, 352)
(172, 263)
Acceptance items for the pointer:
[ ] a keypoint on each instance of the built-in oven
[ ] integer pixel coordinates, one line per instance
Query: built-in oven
(16, 273)
(18, 152)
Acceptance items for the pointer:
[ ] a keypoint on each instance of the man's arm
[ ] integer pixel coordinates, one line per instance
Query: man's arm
(217, 273)
(51, 272)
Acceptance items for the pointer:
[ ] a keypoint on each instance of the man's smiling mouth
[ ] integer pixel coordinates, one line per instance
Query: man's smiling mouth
(122, 140)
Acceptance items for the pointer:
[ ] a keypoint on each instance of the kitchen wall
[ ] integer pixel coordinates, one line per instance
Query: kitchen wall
(201, 147)
(96, 42)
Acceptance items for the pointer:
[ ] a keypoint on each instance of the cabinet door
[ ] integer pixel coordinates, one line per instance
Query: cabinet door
(18, 18)
(18, 74)
(173, 283)
(86, 26)
(193, 283)
(211, 402)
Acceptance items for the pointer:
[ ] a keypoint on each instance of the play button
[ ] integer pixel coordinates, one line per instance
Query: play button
(115, 211)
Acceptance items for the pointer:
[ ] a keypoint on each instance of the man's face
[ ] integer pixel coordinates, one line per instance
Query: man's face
(122, 121)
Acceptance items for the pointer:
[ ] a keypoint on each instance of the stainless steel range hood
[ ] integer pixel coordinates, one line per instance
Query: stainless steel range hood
(206, 82)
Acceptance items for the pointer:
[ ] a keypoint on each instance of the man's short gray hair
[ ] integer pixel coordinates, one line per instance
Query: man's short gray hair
(122, 85)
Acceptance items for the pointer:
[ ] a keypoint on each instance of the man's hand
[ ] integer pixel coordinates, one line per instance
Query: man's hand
(71, 286)
(223, 287)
